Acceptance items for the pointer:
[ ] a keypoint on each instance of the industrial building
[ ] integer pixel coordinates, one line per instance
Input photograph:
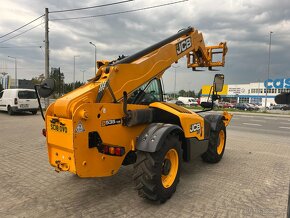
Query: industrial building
(256, 92)
(8, 83)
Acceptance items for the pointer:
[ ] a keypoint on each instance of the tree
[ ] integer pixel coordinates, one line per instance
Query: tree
(59, 79)
(68, 87)
(37, 79)
(190, 94)
(182, 93)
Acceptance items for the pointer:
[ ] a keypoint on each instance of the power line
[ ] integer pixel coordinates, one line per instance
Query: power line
(86, 8)
(11, 68)
(22, 26)
(24, 46)
(120, 12)
(21, 33)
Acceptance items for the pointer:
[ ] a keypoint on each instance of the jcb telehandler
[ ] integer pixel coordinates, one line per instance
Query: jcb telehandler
(119, 118)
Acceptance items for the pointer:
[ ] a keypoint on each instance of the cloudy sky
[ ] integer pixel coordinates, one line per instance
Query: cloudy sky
(243, 24)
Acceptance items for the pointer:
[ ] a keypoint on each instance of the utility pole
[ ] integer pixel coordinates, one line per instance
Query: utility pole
(46, 59)
(269, 62)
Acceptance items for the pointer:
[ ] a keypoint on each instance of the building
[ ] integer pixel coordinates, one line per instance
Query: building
(5, 81)
(8, 83)
(25, 84)
(252, 92)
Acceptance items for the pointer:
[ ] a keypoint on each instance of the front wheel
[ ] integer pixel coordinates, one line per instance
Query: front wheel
(216, 145)
(156, 175)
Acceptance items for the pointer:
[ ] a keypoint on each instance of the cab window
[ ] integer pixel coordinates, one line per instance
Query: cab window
(1, 94)
(147, 93)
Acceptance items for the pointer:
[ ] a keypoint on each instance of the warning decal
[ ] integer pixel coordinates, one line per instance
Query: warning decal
(80, 127)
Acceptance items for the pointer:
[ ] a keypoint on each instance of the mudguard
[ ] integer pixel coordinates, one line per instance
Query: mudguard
(152, 138)
(213, 119)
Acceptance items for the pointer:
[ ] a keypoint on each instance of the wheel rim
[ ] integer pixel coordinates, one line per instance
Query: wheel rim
(221, 142)
(169, 168)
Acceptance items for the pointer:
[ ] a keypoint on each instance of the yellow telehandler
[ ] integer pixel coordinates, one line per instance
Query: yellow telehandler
(119, 118)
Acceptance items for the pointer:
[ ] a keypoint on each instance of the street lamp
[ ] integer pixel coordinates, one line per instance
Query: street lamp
(269, 62)
(95, 57)
(83, 75)
(15, 59)
(175, 81)
(74, 79)
(4, 74)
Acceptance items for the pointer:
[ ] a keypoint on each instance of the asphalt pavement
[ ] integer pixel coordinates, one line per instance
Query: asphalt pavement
(278, 126)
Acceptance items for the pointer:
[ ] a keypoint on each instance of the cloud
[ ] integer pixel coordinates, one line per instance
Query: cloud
(245, 25)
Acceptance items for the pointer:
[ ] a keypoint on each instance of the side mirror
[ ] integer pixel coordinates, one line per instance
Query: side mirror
(283, 98)
(46, 88)
(218, 82)
(205, 104)
(216, 97)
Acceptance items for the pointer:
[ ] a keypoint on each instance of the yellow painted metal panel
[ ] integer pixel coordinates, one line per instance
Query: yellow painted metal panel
(206, 90)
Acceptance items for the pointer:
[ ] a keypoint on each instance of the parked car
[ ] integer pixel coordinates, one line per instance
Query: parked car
(220, 104)
(179, 103)
(228, 105)
(253, 106)
(259, 106)
(285, 107)
(188, 101)
(223, 104)
(277, 106)
(244, 106)
(16, 100)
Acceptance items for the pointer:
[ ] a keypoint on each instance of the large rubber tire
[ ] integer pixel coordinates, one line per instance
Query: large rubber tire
(217, 144)
(152, 172)
(34, 112)
(10, 111)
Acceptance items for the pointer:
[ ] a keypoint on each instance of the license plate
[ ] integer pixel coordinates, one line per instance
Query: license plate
(24, 106)
(58, 128)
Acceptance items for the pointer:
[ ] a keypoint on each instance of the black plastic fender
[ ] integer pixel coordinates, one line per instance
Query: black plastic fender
(152, 138)
(213, 119)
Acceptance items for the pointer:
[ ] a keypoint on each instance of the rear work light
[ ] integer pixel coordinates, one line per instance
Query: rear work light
(15, 101)
(113, 150)
(95, 141)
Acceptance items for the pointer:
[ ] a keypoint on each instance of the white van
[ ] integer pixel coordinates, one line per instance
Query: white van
(188, 101)
(16, 100)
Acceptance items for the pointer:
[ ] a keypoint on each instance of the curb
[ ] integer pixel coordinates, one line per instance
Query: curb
(260, 114)
(251, 114)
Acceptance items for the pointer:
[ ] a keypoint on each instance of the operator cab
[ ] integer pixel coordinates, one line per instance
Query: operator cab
(148, 93)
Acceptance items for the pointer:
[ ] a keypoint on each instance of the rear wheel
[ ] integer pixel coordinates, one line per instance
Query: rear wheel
(156, 175)
(34, 112)
(10, 111)
(217, 143)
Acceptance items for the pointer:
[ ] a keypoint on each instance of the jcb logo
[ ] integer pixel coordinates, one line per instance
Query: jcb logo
(183, 45)
(102, 86)
(195, 128)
